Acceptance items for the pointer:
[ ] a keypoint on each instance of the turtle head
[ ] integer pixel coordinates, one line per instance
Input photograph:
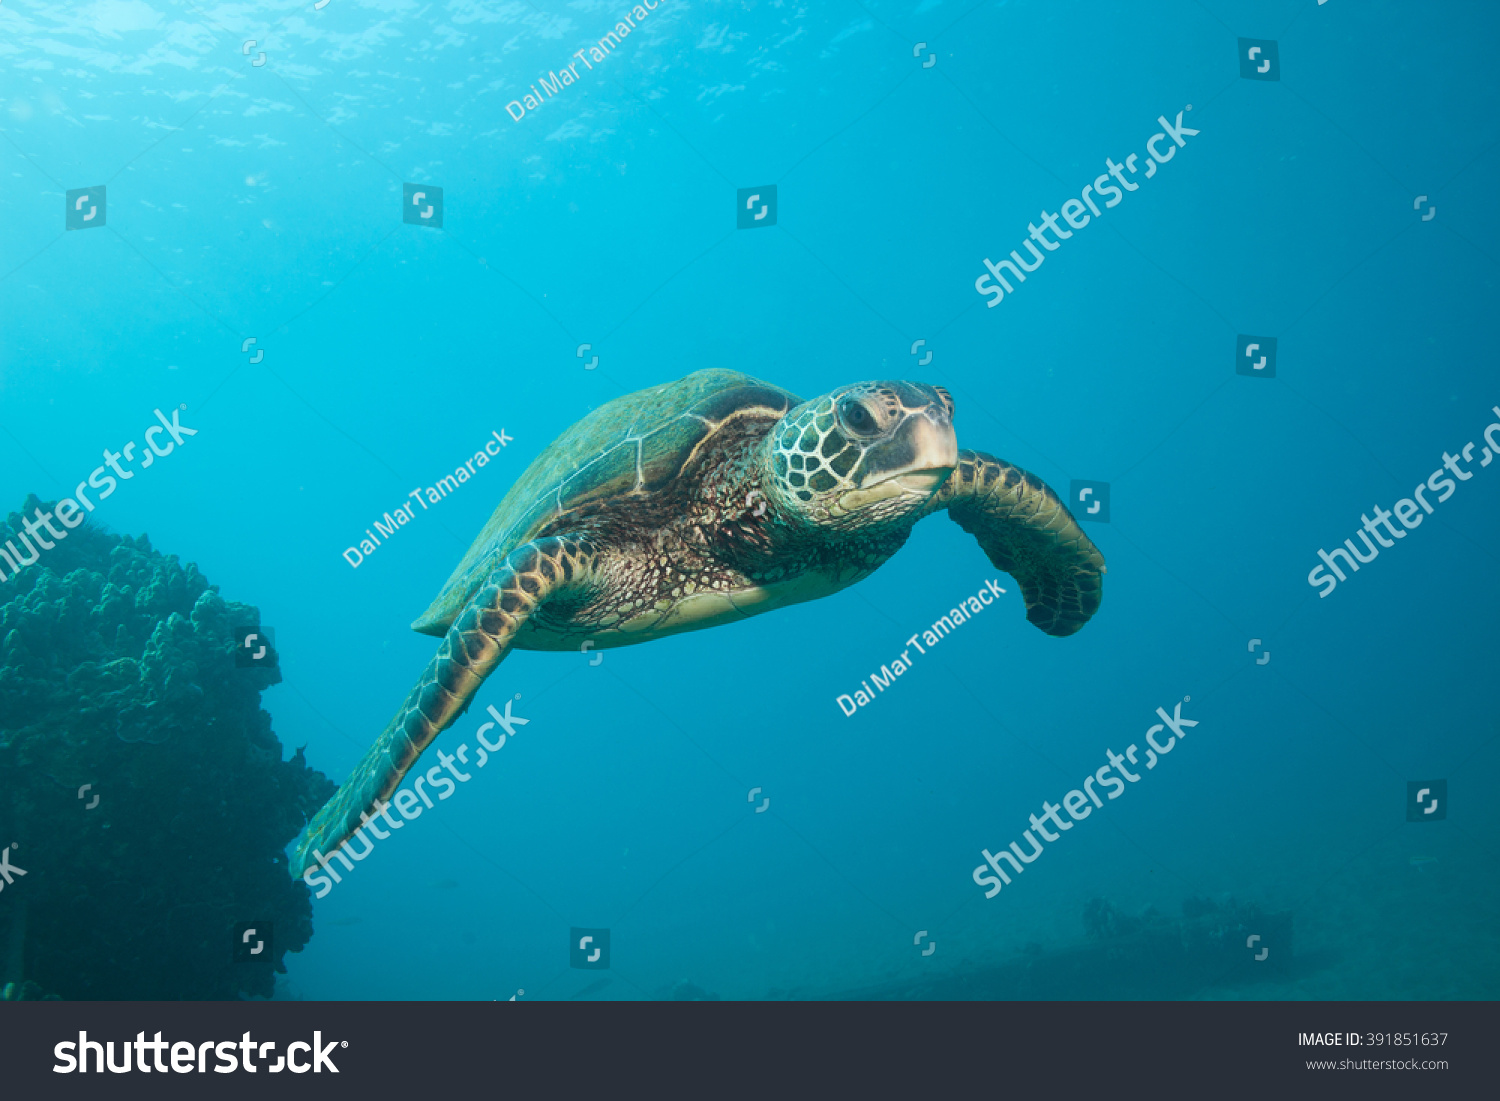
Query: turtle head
(864, 456)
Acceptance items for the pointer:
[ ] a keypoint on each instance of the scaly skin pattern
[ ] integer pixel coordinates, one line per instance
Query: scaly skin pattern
(715, 530)
(476, 643)
(1027, 531)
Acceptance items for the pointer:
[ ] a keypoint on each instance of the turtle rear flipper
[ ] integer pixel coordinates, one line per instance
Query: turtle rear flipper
(1028, 532)
(479, 639)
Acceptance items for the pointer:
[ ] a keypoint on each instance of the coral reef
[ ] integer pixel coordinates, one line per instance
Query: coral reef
(141, 787)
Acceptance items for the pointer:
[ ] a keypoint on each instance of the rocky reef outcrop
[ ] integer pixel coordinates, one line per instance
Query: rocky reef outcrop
(144, 798)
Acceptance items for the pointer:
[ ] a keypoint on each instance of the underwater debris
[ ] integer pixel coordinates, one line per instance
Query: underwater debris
(1142, 956)
(141, 779)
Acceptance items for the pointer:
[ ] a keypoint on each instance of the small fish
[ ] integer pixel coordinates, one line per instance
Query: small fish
(444, 884)
(1417, 861)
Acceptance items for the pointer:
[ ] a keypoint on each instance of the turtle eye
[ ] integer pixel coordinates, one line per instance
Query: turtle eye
(856, 416)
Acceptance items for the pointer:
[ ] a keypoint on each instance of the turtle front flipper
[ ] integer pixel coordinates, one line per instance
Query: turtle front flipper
(1028, 532)
(481, 636)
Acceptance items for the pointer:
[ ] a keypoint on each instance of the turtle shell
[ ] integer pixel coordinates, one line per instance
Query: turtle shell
(634, 446)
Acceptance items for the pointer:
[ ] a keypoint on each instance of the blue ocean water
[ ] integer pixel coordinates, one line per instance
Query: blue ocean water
(1335, 202)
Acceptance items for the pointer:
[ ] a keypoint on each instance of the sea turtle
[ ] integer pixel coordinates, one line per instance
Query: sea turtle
(702, 502)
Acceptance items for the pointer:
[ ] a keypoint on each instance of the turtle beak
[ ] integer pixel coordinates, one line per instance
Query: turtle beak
(923, 482)
(915, 461)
